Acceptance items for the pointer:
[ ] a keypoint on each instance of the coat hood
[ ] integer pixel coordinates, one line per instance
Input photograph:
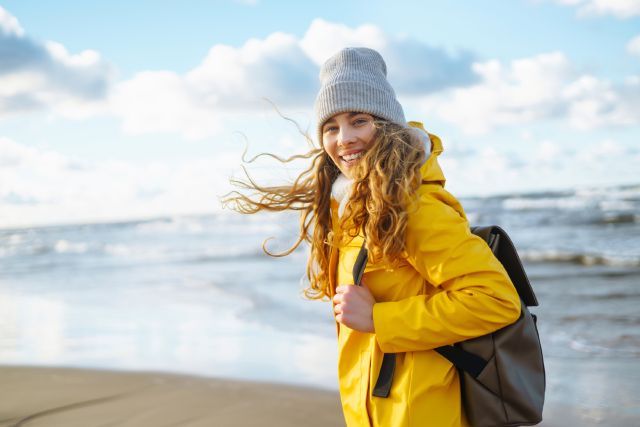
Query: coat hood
(431, 171)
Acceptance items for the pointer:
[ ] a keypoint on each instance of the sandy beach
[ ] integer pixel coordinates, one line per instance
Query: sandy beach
(52, 397)
(33, 396)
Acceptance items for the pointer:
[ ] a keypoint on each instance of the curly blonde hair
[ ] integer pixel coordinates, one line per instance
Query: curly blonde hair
(385, 180)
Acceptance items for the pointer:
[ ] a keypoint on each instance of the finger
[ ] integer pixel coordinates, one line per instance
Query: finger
(337, 308)
(341, 289)
(337, 298)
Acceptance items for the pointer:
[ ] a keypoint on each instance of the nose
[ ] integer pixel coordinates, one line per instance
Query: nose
(346, 137)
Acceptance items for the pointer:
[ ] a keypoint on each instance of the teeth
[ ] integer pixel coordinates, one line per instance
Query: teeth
(353, 156)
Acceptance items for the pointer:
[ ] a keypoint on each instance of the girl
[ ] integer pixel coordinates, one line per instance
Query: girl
(429, 281)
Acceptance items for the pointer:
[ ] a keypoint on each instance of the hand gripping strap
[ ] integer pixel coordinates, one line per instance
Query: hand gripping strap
(503, 248)
(385, 378)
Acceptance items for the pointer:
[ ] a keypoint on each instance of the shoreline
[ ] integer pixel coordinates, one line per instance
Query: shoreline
(56, 396)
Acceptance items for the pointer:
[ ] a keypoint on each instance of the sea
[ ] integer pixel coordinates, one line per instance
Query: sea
(198, 295)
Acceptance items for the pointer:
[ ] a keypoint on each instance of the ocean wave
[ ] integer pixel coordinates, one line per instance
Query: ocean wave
(117, 249)
(601, 319)
(605, 199)
(599, 349)
(248, 255)
(15, 238)
(171, 224)
(534, 203)
(64, 246)
(613, 296)
(70, 247)
(532, 255)
(137, 251)
(617, 205)
(628, 193)
(215, 224)
(619, 345)
(604, 272)
(618, 218)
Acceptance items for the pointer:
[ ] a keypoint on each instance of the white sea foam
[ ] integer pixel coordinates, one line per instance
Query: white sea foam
(629, 193)
(135, 251)
(172, 224)
(15, 239)
(606, 199)
(66, 246)
(556, 255)
(117, 249)
(616, 205)
(526, 203)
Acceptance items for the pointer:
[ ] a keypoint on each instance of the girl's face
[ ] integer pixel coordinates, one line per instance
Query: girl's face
(346, 137)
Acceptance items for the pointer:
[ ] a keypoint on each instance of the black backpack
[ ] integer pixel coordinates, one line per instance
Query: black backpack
(502, 374)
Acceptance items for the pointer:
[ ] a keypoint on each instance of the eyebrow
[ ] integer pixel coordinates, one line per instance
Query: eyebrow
(351, 114)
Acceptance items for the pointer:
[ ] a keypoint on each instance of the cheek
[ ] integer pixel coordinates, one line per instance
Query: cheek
(368, 133)
(331, 149)
(370, 137)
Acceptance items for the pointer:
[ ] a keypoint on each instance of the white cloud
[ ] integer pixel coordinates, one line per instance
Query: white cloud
(229, 81)
(35, 75)
(324, 38)
(42, 187)
(545, 86)
(281, 68)
(633, 46)
(276, 68)
(476, 96)
(548, 151)
(414, 68)
(617, 8)
(162, 101)
(594, 103)
(9, 25)
(520, 92)
(545, 163)
(605, 149)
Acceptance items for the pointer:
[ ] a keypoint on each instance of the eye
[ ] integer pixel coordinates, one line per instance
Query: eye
(359, 121)
(329, 128)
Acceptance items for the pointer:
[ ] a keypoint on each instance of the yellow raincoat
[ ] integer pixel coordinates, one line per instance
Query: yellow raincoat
(449, 287)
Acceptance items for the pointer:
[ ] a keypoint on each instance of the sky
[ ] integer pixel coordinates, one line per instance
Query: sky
(125, 110)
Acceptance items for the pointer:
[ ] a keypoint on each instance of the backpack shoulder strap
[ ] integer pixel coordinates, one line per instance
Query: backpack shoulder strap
(504, 249)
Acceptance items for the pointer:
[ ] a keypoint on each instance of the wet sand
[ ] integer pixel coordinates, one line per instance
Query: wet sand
(52, 397)
(34, 396)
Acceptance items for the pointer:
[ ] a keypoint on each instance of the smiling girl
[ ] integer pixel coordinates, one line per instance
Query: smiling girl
(429, 281)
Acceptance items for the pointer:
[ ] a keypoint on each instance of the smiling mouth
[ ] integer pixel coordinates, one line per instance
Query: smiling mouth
(351, 158)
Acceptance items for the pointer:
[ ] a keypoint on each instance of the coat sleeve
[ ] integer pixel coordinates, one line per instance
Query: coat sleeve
(474, 294)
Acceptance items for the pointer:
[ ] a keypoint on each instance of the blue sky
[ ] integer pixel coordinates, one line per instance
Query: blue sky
(132, 109)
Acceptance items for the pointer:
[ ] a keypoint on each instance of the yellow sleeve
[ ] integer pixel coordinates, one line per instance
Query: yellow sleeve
(475, 295)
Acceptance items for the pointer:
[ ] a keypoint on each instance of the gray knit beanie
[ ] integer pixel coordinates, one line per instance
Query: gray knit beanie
(355, 79)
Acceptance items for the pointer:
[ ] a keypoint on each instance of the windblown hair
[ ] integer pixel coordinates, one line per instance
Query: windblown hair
(385, 181)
